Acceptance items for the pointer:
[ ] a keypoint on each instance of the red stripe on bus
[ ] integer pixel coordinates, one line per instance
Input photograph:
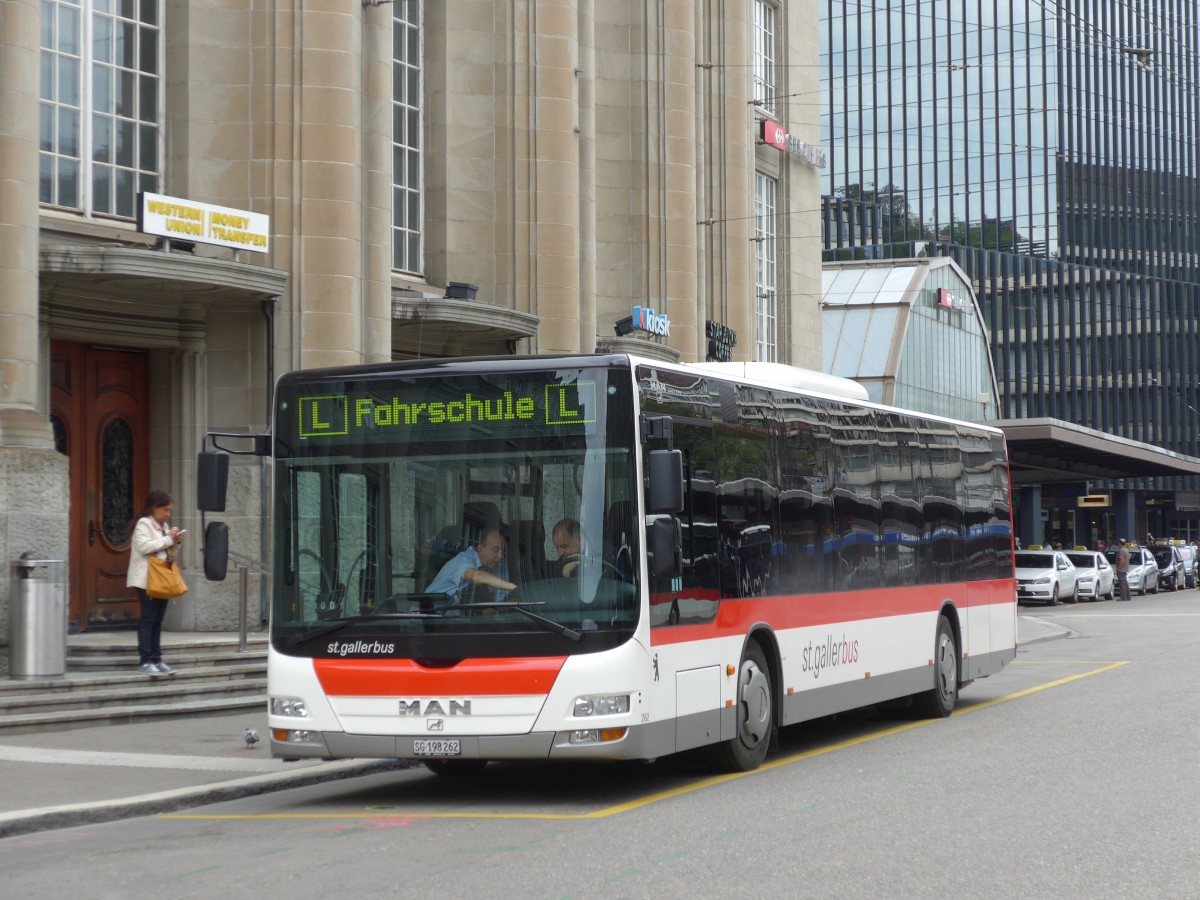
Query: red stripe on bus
(404, 678)
(812, 610)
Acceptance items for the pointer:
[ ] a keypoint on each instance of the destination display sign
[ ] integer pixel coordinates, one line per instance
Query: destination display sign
(429, 410)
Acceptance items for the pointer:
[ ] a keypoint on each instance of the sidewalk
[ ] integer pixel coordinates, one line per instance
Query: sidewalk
(61, 779)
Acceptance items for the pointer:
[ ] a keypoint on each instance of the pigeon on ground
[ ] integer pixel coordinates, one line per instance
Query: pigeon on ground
(251, 737)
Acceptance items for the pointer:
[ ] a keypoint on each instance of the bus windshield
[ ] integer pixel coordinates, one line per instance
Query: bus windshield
(437, 517)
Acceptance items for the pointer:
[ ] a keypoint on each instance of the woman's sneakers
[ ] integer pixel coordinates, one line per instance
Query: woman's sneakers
(155, 670)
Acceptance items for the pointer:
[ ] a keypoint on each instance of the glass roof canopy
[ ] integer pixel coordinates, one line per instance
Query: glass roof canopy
(911, 333)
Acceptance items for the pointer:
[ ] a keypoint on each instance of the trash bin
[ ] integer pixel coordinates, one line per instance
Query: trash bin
(37, 618)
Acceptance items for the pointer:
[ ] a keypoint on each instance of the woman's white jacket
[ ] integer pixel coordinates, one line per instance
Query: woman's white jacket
(148, 540)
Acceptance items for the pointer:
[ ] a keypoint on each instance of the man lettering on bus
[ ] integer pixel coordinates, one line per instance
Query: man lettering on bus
(473, 566)
(1122, 568)
(568, 542)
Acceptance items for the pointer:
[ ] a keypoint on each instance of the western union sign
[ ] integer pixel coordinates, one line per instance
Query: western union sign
(203, 223)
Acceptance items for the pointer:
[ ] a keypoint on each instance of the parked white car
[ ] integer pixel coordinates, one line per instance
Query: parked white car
(1097, 578)
(1047, 576)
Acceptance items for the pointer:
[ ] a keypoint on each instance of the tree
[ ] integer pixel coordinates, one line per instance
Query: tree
(989, 234)
(897, 222)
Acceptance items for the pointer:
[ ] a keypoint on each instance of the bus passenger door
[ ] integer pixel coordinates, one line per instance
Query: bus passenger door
(695, 599)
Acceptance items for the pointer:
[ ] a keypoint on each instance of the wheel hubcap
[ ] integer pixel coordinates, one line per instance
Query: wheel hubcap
(947, 673)
(755, 705)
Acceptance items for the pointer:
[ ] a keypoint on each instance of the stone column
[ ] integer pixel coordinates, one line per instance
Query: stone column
(1125, 512)
(1029, 525)
(34, 497)
(586, 88)
(551, 202)
(21, 426)
(377, 185)
(326, 277)
(186, 406)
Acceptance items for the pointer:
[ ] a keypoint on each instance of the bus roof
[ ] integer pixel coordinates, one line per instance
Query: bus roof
(781, 375)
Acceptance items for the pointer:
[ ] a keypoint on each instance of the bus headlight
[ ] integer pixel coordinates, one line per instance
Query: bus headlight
(293, 707)
(601, 705)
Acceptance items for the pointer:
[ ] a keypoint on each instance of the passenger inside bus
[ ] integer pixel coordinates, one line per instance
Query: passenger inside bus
(472, 568)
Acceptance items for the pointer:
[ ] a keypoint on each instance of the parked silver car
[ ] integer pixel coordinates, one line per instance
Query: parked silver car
(1143, 570)
(1097, 577)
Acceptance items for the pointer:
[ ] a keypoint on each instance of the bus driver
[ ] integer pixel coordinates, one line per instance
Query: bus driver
(471, 567)
(567, 541)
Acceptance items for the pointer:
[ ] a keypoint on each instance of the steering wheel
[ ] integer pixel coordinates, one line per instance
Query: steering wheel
(604, 564)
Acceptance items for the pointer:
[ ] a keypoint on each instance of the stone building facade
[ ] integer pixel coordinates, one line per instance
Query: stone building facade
(440, 179)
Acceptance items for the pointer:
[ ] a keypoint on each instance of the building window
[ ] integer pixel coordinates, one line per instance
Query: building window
(100, 138)
(764, 55)
(407, 211)
(765, 284)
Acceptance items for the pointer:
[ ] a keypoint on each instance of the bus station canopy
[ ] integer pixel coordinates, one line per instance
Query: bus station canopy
(1052, 450)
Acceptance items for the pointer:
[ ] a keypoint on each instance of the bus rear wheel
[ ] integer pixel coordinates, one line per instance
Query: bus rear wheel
(939, 701)
(755, 715)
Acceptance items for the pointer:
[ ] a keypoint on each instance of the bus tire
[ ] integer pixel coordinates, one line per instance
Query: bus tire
(939, 701)
(755, 711)
(455, 768)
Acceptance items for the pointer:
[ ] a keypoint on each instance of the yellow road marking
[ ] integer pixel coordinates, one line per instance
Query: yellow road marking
(658, 797)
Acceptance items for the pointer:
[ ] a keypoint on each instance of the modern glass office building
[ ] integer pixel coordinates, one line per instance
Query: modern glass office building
(1052, 149)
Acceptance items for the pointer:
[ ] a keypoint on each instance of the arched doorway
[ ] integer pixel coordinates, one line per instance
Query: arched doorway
(99, 407)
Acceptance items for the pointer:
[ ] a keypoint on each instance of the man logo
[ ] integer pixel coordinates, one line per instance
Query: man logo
(435, 708)
(435, 724)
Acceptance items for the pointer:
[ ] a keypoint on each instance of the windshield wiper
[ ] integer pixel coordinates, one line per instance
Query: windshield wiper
(573, 634)
(370, 617)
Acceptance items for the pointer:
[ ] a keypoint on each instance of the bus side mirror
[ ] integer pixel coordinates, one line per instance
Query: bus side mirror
(216, 551)
(666, 548)
(212, 480)
(666, 481)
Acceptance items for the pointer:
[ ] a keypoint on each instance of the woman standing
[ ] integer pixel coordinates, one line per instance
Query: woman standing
(150, 536)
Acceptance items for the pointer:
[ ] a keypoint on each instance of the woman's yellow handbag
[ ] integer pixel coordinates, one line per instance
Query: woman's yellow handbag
(163, 582)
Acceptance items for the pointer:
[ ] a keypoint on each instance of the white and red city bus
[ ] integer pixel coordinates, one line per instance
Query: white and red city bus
(751, 555)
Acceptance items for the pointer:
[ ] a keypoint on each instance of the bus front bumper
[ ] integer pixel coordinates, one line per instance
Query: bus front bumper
(637, 742)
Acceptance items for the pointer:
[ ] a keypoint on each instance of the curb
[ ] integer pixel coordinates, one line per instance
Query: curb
(95, 813)
(1053, 632)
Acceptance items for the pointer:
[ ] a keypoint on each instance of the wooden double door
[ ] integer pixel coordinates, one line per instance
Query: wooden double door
(99, 407)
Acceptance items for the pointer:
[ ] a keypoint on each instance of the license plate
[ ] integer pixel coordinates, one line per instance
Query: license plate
(436, 748)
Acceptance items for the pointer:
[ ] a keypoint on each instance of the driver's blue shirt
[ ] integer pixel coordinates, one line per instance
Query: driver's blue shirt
(450, 579)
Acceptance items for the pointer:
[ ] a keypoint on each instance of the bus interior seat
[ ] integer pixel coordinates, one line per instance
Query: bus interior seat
(527, 552)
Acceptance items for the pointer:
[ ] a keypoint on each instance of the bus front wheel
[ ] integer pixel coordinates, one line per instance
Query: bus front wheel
(755, 715)
(939, 701)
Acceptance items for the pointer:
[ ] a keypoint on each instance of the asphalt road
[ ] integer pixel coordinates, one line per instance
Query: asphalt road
(1071, 774)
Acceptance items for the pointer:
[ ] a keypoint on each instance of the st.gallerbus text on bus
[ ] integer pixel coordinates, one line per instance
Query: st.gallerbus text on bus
(740, 555)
